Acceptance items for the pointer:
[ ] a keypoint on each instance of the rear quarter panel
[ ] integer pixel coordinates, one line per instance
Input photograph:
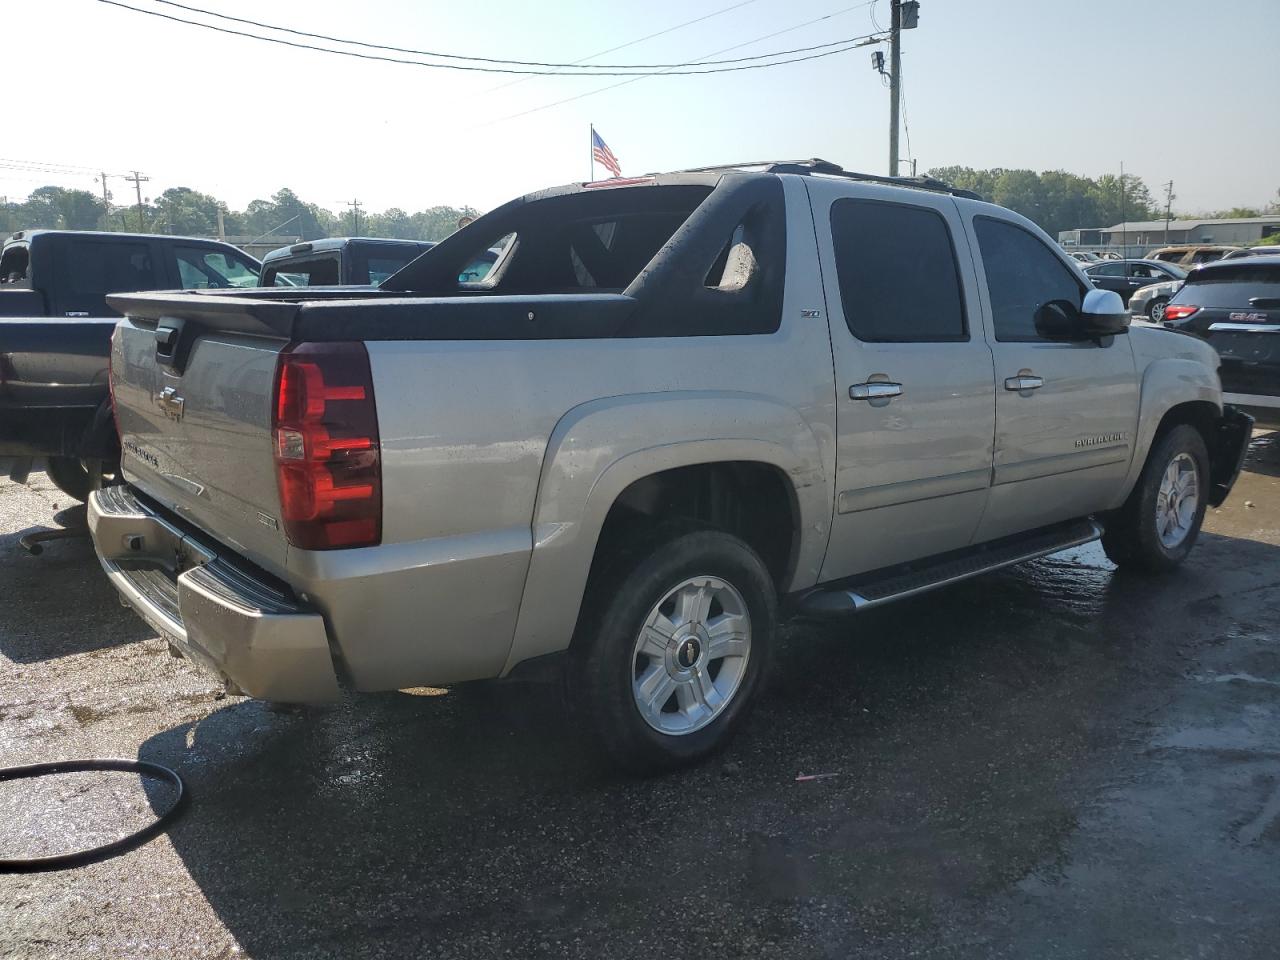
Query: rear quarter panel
(478, 496)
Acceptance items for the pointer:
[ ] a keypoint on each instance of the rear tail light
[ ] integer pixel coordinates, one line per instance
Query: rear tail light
(1179, 311)
(111, 380)
(325, 437)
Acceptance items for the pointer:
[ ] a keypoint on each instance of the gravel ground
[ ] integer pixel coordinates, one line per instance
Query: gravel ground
(1053, 761)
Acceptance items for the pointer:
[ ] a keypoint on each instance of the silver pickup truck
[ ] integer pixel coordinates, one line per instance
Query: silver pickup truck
(673, 401)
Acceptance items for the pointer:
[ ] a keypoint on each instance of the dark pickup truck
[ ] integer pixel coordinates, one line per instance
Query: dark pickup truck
(55, 334)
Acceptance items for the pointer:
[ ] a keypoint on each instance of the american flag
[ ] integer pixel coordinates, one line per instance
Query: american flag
(602, 155)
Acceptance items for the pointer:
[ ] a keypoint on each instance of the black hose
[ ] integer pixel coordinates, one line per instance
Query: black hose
(66, 861)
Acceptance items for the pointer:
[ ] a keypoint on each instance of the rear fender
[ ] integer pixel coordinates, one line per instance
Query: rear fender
(600, 448)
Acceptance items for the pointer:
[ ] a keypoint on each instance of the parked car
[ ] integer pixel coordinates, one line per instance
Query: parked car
(1271, 249)
(1235, 306)
(1086, 257)
(338, 261)
(1191, 255)
(1149, 302)
(1126, 276)
(56, 330)
(672, 401)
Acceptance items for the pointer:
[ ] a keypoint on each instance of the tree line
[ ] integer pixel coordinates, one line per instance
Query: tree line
(1054, 199)
(187, 212)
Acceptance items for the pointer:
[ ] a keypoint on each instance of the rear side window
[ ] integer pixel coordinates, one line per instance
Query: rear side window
(1232, 288)
(99, 268)
(897, 272)
(1108, 270)
(1022, 274)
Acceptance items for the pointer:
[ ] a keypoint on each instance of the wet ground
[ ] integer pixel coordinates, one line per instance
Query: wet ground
(1056, 761)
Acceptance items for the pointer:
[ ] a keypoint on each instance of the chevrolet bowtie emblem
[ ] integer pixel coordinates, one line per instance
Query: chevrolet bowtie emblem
(170, 403)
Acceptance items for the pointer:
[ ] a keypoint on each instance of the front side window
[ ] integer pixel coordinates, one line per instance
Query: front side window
(897, 272)
(1022, 274)
(201, 269)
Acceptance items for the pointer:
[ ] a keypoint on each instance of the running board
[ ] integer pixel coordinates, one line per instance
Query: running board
(896, 583)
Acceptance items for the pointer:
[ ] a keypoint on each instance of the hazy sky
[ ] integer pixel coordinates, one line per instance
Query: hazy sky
(1080, 85)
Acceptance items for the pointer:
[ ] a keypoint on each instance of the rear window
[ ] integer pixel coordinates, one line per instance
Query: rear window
(301, 273)
(585, 242)
(108, 267)
(1233, 287)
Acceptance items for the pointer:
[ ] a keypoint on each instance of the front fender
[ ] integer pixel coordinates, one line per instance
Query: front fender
(600, 448)
(1166, 383)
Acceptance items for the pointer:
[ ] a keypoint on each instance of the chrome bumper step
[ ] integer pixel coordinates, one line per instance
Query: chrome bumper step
(897, 583)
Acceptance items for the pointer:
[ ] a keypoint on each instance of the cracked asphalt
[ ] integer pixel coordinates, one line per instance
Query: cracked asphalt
(1054, 761)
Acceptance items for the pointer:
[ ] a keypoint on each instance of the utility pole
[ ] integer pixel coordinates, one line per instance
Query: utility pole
(904, 15)
(138, 180)
(1124, 218)
(355, 212)
(106, 194)
(1168, 209)
(895, 77)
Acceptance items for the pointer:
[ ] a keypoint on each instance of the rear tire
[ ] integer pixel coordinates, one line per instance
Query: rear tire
(1159, 523)
(1155, 309)
(671, 650)
(70, 476)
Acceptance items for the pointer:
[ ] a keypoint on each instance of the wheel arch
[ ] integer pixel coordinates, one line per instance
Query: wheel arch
(602, 459)
(1174, 391)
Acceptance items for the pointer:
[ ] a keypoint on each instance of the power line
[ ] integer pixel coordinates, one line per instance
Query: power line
(863, 41)
(628, 70)
(458, 56)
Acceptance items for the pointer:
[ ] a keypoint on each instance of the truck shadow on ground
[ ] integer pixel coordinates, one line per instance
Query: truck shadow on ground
(966, 729)
(53, 590)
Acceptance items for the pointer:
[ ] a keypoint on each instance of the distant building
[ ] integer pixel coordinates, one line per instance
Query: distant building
(1151, 233)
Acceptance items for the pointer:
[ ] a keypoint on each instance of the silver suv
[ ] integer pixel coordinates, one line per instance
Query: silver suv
(671, 402)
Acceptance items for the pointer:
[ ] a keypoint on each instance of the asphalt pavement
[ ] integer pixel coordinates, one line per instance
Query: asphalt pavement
(1054, 761)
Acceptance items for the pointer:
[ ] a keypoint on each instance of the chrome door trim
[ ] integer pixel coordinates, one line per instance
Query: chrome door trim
(1085, 459)
(911, 491)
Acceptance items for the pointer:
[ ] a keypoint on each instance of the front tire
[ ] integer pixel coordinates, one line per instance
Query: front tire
(671, 650)
(1159, 523)
(1155, 309)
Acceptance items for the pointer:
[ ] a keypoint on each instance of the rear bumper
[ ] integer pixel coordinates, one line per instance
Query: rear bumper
(1227, 454)
(241, 627)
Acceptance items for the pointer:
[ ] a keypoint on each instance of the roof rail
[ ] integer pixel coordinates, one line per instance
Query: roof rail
(827, 168)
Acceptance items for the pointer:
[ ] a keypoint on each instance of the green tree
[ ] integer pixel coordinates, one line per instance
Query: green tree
(285, 214)
(59, 208)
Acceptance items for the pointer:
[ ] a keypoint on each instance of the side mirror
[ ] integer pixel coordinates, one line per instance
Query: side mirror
(1104, 314)
(1101, 315)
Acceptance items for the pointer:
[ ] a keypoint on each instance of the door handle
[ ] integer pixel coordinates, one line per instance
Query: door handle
(875, 390)
(1023, 382)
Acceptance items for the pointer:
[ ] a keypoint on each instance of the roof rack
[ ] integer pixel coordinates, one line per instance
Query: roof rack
(827, 168)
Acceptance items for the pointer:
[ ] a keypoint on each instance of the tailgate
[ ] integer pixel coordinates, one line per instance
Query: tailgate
(1249, 344)
(193, 401)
